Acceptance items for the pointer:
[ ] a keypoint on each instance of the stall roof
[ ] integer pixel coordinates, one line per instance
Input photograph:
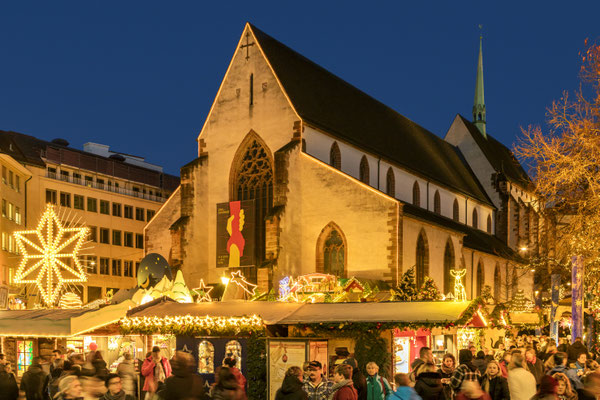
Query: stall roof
(270, 312)
(525, 318)
(430, 311)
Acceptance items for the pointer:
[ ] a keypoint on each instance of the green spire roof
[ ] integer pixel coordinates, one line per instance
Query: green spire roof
(479, 102)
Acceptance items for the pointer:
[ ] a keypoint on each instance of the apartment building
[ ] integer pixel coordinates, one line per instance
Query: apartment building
(112, 193)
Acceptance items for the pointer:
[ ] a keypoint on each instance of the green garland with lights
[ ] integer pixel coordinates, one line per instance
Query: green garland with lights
(256, 365)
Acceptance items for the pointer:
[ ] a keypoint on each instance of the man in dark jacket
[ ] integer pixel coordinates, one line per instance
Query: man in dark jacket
(183, 384)
(8, 385)
(535, 365)
(291, 388)
(576, 349)
(358, 379)
(34, 381)
(560, 361)
(425, 356)
(114, 389)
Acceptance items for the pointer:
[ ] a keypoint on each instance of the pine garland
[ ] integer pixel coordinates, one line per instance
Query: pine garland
(257, 368)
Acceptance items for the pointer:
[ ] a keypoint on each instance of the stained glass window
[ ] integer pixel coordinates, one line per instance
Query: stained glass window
(24, 355)
(233, 348)
(206, 358)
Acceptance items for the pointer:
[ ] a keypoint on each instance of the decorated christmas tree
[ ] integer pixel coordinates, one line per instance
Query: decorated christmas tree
(429, 290)
(406, 288)
(486, 293)
(518, 303)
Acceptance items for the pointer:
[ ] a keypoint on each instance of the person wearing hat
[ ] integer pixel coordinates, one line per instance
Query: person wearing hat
(359, 380)
(317, 387)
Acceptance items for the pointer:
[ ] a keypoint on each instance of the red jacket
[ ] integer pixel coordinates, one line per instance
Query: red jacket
(148, 372)
(346, 392)
(241, 381)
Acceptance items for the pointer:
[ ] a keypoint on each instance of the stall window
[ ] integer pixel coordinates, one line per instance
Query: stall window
(206, 357)
(233, 348)
(24, 355)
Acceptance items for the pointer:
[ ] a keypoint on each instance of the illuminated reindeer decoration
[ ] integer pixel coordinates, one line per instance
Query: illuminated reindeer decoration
(459, 288)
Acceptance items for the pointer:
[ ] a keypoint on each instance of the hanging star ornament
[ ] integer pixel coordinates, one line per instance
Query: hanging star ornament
(240, 280)
(203, 292)
(47, 254)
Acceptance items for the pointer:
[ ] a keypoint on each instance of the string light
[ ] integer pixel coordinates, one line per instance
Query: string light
(70, 300)
(158, 324)
(240, 280)
(50, 233)
(203, 292)
(459, 289)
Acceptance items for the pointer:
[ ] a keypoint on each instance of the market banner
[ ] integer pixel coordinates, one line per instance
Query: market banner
(577, 275)
(555, 298)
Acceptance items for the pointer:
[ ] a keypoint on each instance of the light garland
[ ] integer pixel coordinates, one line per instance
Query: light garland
(459, 289)
(240, 280)
(70, 300)
(50, 233)
(191, 324)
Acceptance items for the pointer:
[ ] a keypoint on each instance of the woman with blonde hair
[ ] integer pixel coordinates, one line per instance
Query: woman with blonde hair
(429, 383)
(564, 390)
(69, 388)
(494, 383)
(521, 383)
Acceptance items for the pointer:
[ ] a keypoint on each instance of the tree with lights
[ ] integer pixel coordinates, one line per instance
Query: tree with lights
(429, 290)
(519, 302)
(406, 288)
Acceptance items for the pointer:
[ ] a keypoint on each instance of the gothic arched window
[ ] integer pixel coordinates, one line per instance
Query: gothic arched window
(422, 260)
(390, 181)
(331, 251)
(363, 174)
(489, 224)
(416, 194)
(206, 357)
(233, 348)
(497, 283)
(252, 179)
(455, 211)
(437, 203)
(480, 278)
(335, 157)
(474, 221)
(448, 266)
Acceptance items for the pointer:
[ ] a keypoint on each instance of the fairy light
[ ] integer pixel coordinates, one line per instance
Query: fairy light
(459, 289)
(203, 292)
(240, 280)
(50, 233)
(206, 322)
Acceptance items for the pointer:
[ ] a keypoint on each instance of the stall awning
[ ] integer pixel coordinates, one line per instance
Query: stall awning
(430, 311)
(270, 312)
(529, 318)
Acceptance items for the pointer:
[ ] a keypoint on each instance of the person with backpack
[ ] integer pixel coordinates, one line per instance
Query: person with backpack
(377, 386)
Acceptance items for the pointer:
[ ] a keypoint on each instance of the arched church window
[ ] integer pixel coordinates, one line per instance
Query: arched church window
(390, 179)
(334, 254)
(233, 348)
(489, 224)
(422, 260)
(437, 203)
(416, 194)
(474, 221)
(363, 174)
(480, 278)
(253, 180)
(455, 211)
(335, 157)
(448, 266)
(206, 357)
(497, 283)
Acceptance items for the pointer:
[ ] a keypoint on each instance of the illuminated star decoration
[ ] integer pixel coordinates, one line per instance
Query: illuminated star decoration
(240, 280)
(55, 245)
(203, 292)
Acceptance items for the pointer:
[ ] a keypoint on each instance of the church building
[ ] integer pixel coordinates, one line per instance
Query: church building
(300, 172)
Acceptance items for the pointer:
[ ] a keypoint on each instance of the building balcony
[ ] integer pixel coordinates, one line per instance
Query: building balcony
(104, 186)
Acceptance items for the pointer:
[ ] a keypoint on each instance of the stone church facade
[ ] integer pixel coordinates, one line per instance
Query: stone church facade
(342, 184)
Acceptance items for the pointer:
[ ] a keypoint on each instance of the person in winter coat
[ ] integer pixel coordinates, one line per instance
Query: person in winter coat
(343, 389)
(8, 385)
(547, 390)
(471, 390)
(466, 371)
(316, 385)
(564, 391)
(184, 383)
(575, 349)
(231, 362)
(591, 387)
(226, 387)
(403, 390)
(480, 362)
(99, 366)
(560, 367)
(114, 389)
(156, 369)
(69, 388)
(358, 379)
(126, 371)
(506, 358)
(521, 382)
(447, 370)
(429, 383)
(494, 383)
(291, 388)
(377, 386)
(578, 371)
(425, 356)
(534, 365)
(33, 382)
(56, 372)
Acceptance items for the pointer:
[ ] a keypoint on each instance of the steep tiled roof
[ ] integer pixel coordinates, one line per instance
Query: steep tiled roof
(327, 102)
(501, 157)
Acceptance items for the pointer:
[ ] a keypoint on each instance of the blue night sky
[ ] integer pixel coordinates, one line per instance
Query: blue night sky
(141, 76)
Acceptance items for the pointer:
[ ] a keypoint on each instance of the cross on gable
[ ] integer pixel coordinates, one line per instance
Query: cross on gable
(247, 45)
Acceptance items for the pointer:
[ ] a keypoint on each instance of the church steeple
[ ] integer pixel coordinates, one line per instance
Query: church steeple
(479, 102)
